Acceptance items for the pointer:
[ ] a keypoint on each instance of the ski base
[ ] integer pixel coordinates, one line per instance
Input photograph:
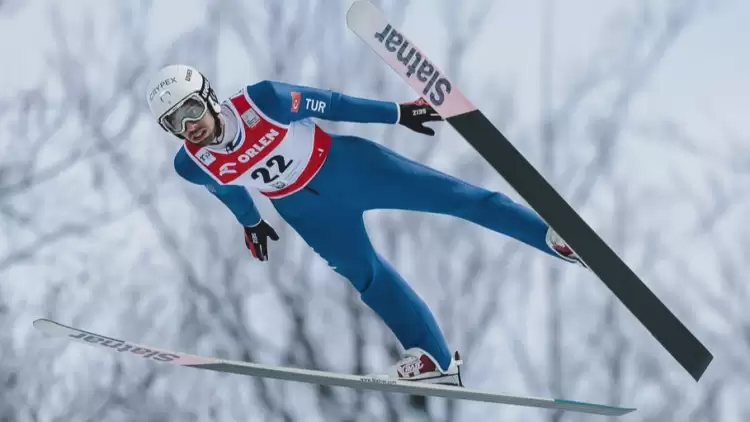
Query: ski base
(57, 329)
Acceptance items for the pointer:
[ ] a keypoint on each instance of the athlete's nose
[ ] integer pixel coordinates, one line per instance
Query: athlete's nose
(189, 126)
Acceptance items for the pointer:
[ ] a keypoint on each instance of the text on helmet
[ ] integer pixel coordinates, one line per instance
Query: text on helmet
(162, 84)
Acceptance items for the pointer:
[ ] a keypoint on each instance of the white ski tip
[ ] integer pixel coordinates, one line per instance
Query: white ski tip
(406, 59)
(50, 327)
(357, 15)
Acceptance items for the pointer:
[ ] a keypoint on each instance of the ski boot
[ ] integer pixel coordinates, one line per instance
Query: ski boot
(557, 244)
(418, 365)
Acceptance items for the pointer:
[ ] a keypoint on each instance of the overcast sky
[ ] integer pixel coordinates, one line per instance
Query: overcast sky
(702, 83)
(703, 79)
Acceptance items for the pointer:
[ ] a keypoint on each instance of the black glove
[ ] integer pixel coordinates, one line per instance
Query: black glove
(416, 113)
(256, 239)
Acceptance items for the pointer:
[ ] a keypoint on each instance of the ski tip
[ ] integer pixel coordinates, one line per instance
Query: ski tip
(41, 323)
(358, 11)
(49, 327)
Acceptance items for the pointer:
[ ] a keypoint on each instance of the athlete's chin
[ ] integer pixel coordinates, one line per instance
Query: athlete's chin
(205, 141)
(202, 138)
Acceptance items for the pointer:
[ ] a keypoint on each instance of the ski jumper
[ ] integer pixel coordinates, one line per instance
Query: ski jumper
(321, 184)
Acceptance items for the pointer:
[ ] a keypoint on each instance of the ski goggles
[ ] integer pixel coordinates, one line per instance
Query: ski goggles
(190, 109)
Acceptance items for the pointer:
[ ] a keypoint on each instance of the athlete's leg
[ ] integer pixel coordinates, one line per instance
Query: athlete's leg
(338, 235)
(392, 181)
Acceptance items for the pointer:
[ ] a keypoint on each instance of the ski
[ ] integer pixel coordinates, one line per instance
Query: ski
(56, 329)
(414, 67)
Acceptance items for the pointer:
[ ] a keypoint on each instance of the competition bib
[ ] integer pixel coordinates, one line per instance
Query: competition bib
(272, 157)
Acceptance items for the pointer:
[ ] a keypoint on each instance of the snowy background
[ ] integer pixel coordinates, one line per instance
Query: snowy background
(636, 111)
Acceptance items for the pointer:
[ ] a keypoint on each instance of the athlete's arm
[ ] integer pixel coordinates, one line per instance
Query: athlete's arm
(236, 198)
(286, 103)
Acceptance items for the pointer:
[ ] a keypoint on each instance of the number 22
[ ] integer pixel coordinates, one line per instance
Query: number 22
(265, 173)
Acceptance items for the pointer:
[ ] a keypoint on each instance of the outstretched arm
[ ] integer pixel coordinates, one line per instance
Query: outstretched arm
(287, 103)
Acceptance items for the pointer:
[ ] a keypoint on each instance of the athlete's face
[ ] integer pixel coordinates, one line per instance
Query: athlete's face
(201, 132)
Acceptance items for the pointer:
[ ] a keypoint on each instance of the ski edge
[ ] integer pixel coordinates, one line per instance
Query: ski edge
(56, 329)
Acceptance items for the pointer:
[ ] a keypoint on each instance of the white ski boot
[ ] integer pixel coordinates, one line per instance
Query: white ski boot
(557, 244)
(418, 365)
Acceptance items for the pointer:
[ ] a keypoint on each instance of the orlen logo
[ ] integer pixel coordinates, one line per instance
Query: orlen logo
(249, 153)
(437, 86)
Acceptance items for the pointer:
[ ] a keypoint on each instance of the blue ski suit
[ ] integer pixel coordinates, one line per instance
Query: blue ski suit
(360, 175)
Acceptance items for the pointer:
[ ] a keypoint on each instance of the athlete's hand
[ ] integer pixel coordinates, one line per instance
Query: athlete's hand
(415, 114)
(256, 239)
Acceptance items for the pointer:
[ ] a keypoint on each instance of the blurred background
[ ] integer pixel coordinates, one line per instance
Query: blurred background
(636, 111)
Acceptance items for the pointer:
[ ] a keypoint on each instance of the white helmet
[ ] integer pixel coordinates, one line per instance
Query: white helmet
(175, 86)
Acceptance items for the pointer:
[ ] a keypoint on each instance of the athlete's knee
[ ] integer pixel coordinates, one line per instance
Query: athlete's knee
(360, 274)
(499, 199)
(374, 270)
